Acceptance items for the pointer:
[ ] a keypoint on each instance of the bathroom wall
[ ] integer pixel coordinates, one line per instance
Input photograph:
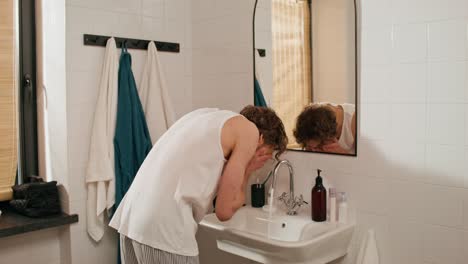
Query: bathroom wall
(412, 165)
(410, 177)
(164, 20)
(409, 181)
(222, 54)
(42, 247)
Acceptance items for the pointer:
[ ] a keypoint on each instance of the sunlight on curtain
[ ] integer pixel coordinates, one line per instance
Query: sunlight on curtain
(291, 61)
(8, 102)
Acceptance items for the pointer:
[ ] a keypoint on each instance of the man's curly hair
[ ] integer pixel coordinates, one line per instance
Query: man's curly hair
(269, 125)
(316, 122)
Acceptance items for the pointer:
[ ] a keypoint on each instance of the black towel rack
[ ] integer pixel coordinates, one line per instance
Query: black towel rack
(97, 40)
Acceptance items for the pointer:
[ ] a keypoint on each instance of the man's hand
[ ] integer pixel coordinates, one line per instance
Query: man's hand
(262, 155)
(334, 148)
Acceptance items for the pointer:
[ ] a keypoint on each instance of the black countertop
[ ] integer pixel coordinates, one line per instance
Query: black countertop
(12, 223)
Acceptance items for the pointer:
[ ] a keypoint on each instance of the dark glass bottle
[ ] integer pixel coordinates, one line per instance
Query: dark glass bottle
(257, 195)
(319, 200)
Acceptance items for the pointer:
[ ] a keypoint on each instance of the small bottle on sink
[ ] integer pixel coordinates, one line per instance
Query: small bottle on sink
(343, 209)
(319, 200)
(332, 205)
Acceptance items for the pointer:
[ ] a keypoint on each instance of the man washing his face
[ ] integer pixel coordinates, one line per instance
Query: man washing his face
(207, 152)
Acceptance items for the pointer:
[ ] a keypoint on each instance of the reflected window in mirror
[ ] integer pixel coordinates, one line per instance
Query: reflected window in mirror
(307, 73)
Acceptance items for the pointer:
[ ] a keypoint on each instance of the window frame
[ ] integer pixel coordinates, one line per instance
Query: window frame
(27, 94)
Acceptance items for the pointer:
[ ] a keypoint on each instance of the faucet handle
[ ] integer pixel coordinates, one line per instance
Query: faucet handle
(283, 197)
(299, 201)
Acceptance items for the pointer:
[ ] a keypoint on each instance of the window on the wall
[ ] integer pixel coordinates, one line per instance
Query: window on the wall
(27, 91)
(18, 128)
(8, 98)
(291, 60)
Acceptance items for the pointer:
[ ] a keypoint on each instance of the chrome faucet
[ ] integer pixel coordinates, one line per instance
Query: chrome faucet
(292, 202)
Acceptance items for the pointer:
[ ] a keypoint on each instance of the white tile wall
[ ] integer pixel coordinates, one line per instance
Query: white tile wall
(466, 124)
(372, 187)
(380, 224)
(376, 46)
(152, 27)
(465, 209)
(376, 120)
(85, 250)
(409, 181)
(145, 19)
(411, 120)
(153, 8)
(442, 245)
(466, 82)
(405, 241)
(222, 54)
(465, 245)
(447, 82)
(447, 40)
(442, 206)
(380, 16)
(371, 162)
(426, 10)
(410, 42)
(463, 167)
(445, 165)
(445, 124)
(411, 158)
(408, 83)
(378, 86)
(409, 203)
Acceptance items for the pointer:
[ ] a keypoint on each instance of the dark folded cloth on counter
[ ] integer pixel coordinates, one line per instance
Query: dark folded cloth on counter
(36, 199)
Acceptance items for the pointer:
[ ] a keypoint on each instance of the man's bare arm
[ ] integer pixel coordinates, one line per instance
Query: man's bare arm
(231, 187)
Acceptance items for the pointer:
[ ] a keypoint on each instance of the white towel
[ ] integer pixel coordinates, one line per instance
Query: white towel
(100, 174)
(368, 253)
(154, 96)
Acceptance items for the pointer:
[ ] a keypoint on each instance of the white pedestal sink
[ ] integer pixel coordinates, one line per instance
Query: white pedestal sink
(284, 239)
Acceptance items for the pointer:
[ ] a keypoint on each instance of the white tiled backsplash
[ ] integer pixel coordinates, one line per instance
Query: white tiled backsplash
(410, 179)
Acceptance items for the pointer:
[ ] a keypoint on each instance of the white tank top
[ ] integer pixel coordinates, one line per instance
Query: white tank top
(346, 139)
(176, 184)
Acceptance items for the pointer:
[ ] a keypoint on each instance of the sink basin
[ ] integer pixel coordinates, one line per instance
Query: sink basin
(280, 239)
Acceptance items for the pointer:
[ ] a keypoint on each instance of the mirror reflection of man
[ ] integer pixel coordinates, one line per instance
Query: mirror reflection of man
(326, 127)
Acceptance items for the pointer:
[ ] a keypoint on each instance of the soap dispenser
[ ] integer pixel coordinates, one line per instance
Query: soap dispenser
(319, 200)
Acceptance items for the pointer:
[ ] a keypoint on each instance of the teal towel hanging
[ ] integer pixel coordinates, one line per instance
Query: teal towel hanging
(132, 141)
(259, 99)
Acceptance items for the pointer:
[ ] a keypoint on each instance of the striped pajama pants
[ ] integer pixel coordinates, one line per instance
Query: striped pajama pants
(133, 252)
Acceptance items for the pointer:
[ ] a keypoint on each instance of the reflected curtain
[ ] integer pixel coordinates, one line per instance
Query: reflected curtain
(259, 99)
(8, 101)
(292, 88)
